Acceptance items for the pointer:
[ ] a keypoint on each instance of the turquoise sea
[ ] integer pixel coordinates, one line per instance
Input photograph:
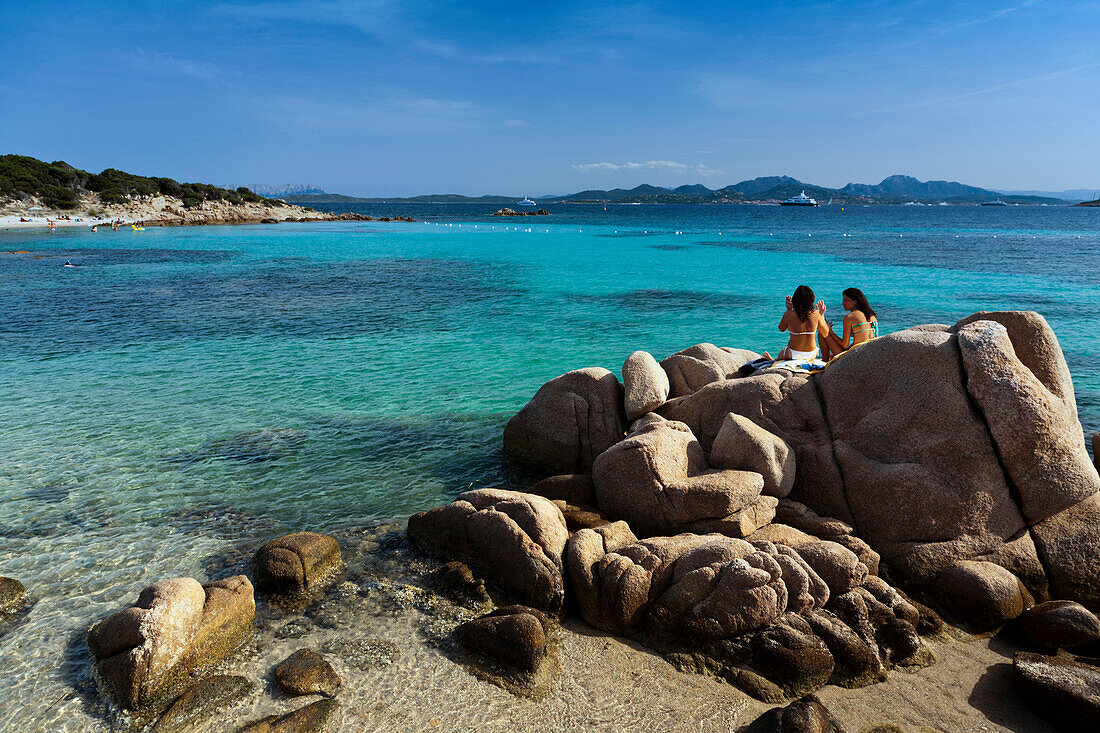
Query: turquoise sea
(185, 389)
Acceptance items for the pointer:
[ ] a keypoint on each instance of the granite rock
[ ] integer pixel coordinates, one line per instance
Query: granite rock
(303, 562)
(744, 445)
(645, 384)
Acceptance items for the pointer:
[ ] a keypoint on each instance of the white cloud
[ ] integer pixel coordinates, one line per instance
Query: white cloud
(671, 165)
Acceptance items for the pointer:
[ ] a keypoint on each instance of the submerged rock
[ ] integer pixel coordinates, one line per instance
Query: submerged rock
(1061, 691)
(457, 581)
(201, 701)
(253, 446)
(312, 718)
(178, 629)
(303, 562)
(305, 672)
(516, 539)
(13, 596)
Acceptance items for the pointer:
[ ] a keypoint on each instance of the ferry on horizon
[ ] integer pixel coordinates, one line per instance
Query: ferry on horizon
(800, 200)
(996, 202)
(526, 202)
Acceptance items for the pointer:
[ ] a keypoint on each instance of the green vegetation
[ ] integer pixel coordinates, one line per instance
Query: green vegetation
(60, 185)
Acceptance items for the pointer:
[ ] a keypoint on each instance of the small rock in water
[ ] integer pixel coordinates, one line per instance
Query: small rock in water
(201, 701)
(297, 563)
(514, 635)
(13, 596)
(305, 672)
(1059, 624)
(312, 718)
(806, 715)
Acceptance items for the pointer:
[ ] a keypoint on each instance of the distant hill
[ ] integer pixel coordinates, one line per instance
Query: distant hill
(771, 189)
(766, 189)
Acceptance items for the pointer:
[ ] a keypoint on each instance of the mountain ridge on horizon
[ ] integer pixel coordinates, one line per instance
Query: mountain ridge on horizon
(892, 189)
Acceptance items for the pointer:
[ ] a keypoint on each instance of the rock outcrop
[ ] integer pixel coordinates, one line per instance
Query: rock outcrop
(658, 480)
(178, 629)
(303, 562)
(570, 420)
(515, 539)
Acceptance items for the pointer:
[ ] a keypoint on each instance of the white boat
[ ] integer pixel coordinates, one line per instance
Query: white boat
(913, 203)
(996, 202)
(526, 202)
(800, 200)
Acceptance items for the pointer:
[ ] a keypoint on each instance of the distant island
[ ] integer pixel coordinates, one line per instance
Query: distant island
(33, 192)
(896, 189)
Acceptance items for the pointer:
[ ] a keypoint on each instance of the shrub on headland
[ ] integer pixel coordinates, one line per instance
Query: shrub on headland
(60, 185)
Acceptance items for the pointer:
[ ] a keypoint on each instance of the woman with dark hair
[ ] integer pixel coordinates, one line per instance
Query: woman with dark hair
(860, 324)
(804, 320)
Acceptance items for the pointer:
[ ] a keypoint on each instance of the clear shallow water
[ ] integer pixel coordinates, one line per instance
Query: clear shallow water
(383, 359)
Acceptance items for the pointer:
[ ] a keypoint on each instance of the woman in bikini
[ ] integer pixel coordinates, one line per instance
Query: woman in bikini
(860, 325)
(804, 321)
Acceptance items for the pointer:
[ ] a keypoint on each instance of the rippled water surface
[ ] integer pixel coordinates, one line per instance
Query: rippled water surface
(187, 390)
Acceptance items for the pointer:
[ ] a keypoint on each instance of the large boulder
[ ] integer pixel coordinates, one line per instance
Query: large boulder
(924, 485)
(645, 384)
(178, 629)
(982, 594)
(1038, 438)
(805, 715)
(570, 420)
(1061, 691)
(658, 481)
(1070, 543)
(303, 562)
(742, 444)
(515, 538)
(693, 368)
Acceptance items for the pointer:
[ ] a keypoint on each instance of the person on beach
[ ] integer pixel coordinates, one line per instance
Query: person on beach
(860, 325)
(804, 321)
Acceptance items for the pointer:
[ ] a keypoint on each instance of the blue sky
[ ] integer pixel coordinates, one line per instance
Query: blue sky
(372, 97)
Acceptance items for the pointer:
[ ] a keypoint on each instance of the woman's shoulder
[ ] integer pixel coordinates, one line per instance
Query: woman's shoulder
(855, 316)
